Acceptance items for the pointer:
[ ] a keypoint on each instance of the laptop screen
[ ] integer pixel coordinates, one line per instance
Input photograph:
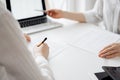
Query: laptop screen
(22, 9)
(27, 12)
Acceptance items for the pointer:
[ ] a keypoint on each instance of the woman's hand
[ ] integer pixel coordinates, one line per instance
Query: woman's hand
(54, 13)
(43, 50)
(27, 37)
(110, 51)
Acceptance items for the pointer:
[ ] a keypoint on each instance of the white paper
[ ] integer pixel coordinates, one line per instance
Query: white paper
(95, 40)
(54, 47)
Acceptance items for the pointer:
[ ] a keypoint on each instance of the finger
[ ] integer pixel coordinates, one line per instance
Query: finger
(45, 45)
(109, 46)
(107, 53)
(49, 13)
(112, 56)
(28, 39)
(46, 11)
(109, 49)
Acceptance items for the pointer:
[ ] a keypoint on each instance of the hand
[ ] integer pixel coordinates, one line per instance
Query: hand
(43, 50)
(54, 13)
(27, 37)
(110, 51)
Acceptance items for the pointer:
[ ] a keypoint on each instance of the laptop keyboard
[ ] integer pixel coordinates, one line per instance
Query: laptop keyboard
(31, 22)
(41, 27)
(114, 72)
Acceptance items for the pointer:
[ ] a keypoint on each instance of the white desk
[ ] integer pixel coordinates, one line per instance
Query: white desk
(74, 62)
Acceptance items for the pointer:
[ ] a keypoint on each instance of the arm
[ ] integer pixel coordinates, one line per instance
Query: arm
(96, 14)
(74, 16)
(91, 16)
(41, 56)
(14, 54)
(54, 13)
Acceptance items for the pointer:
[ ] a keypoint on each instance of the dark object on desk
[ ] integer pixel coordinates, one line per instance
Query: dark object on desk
(111, 73)
(114, 72)
(103, 76)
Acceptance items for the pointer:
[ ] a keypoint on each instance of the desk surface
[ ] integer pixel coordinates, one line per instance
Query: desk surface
(74, 50)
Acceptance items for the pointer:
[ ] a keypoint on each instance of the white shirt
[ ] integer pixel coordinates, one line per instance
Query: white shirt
(107, 11)
(16, 62)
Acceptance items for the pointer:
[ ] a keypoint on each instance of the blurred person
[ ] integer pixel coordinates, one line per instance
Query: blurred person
(16, 62)
(107, 11)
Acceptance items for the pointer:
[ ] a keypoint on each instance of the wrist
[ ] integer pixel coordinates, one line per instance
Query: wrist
(41, 60)
(37, 54)
(40, 55)
(63, 14)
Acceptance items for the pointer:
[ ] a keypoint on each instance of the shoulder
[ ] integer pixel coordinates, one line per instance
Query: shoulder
(2, 8)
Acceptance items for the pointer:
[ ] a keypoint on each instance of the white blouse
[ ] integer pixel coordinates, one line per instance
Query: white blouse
(16, 62)
(107, 11)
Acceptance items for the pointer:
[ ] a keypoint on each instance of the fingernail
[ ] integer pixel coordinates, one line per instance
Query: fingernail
(102, 56)
(99, 55)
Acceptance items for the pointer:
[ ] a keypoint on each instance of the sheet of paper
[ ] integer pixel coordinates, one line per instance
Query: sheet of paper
(112, 62)
(95, 40)
(92, 76)
(54, 47)
(75, 62)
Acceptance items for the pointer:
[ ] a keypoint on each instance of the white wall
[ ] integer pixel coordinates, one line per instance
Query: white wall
(83, 5)
(80, 5)
(89, 4)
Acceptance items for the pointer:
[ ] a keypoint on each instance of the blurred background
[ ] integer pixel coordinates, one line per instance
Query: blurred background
(71, 5)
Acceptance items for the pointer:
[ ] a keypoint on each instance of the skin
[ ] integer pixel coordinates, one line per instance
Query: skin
(54, 13)
(42, 50)
(108, 52)
(27, 37)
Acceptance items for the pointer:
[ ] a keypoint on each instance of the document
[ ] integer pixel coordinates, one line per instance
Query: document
(112, 62)
(95, 40)
(54, 47)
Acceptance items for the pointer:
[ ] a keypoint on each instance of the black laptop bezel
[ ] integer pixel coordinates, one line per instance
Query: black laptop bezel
(8, 5)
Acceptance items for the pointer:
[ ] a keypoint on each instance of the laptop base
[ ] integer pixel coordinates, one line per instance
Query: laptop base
(103, 76)
(41, 27)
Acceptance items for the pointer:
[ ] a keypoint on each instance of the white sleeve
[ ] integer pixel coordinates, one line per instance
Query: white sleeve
(14, 54)
(96, 14)
(3, 73)
(44, 67)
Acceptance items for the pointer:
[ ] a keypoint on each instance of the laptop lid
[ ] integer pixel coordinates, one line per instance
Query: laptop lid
(26, 11)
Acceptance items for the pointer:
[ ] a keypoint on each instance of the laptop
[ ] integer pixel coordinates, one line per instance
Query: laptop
(113, 72)
(31, 16)
(110, 73)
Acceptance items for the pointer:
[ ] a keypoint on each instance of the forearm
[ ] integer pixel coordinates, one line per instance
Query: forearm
(43, 65)
(74, 16)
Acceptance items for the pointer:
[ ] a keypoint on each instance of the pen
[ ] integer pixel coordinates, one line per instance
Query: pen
(40, 10)
(42, 42)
